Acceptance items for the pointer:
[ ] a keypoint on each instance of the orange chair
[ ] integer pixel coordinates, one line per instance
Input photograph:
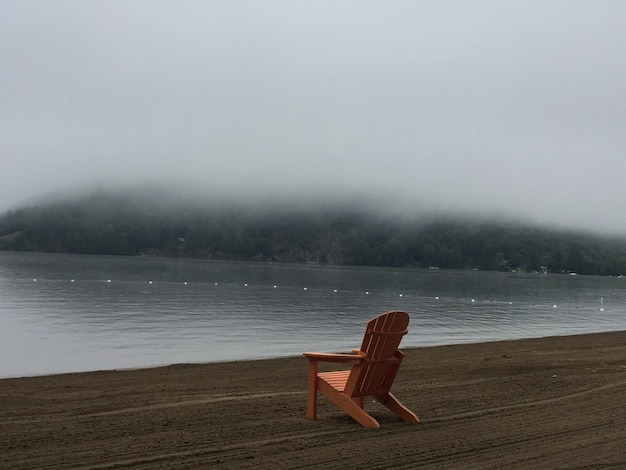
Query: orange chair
(374, 368)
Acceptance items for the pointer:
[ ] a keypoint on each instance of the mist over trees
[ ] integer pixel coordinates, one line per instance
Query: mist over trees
(342, 234)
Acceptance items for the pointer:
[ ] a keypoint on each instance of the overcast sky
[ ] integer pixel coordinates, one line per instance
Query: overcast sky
(517, 107)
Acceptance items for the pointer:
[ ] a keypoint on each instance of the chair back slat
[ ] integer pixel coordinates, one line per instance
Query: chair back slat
(380, 344)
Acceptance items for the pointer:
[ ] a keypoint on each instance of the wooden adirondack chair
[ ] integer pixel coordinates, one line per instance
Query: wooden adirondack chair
(374, 368)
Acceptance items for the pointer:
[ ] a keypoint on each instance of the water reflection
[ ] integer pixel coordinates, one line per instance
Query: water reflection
(89, 312)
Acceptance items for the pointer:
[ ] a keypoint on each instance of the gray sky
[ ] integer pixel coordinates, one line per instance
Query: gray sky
(514, 107)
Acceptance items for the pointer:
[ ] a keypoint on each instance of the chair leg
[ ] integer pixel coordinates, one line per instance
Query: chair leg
(352, 408)
(391, 402)
(311, 402)
(359, 401)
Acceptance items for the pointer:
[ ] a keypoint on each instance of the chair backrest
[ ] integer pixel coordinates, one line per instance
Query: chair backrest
(380, 343)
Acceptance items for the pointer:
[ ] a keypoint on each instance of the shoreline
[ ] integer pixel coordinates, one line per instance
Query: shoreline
(550, 402)
(289, 356)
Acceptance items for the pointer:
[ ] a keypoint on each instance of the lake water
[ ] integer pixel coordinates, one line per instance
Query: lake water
(65, 313)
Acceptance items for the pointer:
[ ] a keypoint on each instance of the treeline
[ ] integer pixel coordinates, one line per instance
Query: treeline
(124, 225)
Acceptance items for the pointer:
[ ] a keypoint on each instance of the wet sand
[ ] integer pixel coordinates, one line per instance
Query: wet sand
(556, 402)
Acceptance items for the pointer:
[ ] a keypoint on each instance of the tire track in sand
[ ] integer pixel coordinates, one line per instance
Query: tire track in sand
(497, 409)
(155, 458)
(205, 451)
(468, 414)
(202, 401)
(175, 404)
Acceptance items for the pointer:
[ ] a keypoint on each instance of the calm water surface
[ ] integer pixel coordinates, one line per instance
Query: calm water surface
(65, 313)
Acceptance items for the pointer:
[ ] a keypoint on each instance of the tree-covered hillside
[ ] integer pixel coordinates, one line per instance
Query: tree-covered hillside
(131, 225)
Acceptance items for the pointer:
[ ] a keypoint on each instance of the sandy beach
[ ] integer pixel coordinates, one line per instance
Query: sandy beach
(557, 402)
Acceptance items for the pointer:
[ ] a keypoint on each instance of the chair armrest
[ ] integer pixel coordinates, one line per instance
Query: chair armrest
(332, 357)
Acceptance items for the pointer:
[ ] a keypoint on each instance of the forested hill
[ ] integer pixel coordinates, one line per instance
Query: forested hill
(121, 225)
